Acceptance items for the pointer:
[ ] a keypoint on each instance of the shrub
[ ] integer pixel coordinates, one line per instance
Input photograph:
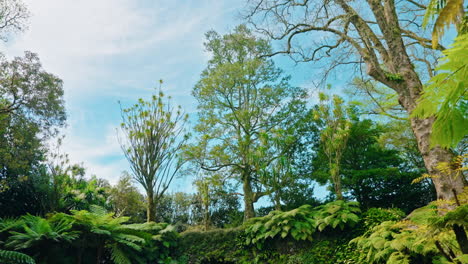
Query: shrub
(337, 214)
(214, 246)
(376, 216)
(417, 239)
(298, 224)
(85, 237)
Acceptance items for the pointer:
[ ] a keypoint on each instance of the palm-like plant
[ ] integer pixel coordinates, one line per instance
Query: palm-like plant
(102, 231)
(40, 236)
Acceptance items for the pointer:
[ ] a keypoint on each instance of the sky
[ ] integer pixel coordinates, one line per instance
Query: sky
(108, 51)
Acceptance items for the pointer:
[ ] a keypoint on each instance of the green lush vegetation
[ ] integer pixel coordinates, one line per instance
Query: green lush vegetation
(391, 149)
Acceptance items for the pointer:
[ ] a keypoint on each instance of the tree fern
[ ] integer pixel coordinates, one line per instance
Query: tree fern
(446, 13)
(424, 234)
(13, 257)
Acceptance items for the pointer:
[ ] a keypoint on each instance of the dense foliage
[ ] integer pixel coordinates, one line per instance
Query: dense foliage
(397, 193)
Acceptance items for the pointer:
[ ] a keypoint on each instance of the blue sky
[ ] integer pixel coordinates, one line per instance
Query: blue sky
(116, 50)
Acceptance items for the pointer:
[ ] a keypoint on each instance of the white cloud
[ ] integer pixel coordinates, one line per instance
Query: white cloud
(100, 157)
(108, 49)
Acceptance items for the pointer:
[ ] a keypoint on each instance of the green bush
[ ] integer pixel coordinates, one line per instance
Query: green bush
(337, 214)
(214, 246)
(376, 216)
(422, 237)
(85, 237)
(298, 224)
(326, 251)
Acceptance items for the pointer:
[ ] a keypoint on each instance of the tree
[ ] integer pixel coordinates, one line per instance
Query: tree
(240, 98)
(153, 135)
(26, 89)
(126, 200)
(377, 176)
(382, 35)
(13, 17)
(334, 136)
(206, 186)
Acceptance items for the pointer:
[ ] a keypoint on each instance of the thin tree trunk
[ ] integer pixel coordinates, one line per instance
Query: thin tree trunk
(462, 240)
(206, 219)
(249, 210)
(151, 207)
(278, 200)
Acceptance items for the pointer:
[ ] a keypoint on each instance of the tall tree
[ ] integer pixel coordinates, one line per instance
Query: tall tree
(126, 200)
(13, 17)
(153, 134)
(241, 97)
(383, 35)
(334, 136)
(27, 89)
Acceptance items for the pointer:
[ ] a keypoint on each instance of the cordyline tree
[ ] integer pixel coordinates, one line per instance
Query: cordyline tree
(383, 38)
(153, 135)
(241, 97)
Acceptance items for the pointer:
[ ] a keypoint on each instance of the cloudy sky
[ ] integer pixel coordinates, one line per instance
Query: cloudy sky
(116, 50)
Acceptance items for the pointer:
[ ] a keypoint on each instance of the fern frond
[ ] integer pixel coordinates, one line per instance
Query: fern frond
(423, 177)
(118, 256)
(451, 13)
(13, 257)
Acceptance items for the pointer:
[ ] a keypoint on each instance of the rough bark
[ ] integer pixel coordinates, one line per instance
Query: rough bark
(249, 210)
(381, 44)
(408, 88)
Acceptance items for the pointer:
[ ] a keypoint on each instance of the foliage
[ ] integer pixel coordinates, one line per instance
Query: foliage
(13, 257)
(388, 187)
(376, 216)
(337, 214)
(445, 96)
(13, 17)
(301, 223)
(88, 236)
(422, 237)
(242, 97)
(447, 12)
(325, 251)
(160, 242)
(213, 246)
(39, 237)
(298, 224)
(334, 136)
(27, 89)
(377, 170)
(126, 200)
(153, 135)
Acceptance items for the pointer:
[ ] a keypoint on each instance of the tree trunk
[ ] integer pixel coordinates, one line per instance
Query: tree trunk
(249, 210)
(99, 254)
(206, 219)
(462, 240)
(150, 206)
(408, 85)
(278, 200)
(446, 185)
